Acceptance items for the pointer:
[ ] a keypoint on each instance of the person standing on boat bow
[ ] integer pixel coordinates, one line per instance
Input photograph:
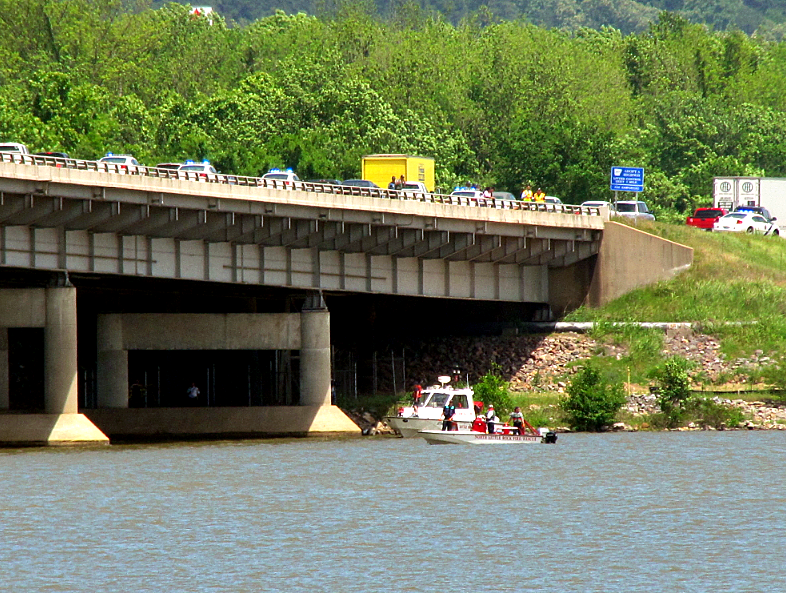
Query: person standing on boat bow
(417, 393)
(491, 419)
(447, 417)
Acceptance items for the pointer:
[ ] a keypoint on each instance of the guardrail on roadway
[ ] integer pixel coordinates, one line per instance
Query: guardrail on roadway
(28, 159)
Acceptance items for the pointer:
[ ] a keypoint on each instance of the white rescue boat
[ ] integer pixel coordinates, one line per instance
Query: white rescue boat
(410, 420)
(507, 435)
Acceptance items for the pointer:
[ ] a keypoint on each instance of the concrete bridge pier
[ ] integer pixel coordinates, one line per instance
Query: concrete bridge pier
(54, 309)
(112, 367)
(315, 379)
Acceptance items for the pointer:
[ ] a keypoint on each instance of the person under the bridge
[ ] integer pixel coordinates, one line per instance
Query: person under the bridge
(193, 394)
(539, 196)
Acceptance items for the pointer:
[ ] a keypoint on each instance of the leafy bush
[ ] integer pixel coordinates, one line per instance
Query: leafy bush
(493, 390)
(591, 402)
(707, 412)
(673, 389)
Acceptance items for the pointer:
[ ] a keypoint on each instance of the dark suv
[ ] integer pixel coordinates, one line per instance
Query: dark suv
(758, 210)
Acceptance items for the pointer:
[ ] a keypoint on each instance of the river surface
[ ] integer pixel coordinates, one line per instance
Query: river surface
(612, 513)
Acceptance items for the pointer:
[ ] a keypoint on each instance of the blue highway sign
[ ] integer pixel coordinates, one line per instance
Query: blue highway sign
(627, 179)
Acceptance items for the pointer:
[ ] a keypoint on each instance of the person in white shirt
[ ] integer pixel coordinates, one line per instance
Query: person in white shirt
(491, 419)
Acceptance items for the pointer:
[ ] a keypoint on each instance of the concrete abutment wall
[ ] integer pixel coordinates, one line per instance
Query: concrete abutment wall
(54, 309)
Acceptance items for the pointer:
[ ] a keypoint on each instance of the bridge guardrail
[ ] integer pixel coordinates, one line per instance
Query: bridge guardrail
(391, 194)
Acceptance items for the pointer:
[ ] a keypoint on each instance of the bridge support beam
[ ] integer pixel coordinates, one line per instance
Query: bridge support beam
(60, 368)
(315, 355)
(112, 364)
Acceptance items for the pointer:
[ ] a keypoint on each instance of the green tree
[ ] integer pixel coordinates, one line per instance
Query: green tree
(592, 402)
(493, 390)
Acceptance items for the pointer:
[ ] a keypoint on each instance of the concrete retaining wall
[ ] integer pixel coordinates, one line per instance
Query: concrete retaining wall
(630, 258)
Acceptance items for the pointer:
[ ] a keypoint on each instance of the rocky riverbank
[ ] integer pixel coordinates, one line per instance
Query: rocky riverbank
(545, 363)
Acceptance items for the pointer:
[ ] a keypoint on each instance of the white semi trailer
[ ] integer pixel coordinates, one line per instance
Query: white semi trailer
(768, 192)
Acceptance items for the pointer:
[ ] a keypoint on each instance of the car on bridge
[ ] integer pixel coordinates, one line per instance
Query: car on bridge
(119, 163)
(53, 155)
(14, 148)
(415, 190)
(634, 210)
(360, 183)
(282, 179)
(467, 196)
(203, 171)
(598, 204)
(324, 181)
(169, 166)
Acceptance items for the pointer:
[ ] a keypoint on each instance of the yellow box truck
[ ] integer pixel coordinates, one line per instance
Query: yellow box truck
(379, 168)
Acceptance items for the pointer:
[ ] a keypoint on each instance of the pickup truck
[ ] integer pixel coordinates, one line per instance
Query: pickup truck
(14, 148)
(416, 190)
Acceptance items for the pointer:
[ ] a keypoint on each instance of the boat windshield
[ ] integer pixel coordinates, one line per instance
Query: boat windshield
(437, 400)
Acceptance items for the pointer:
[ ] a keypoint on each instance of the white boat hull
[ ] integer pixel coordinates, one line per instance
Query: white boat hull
(410, 427)
(470, 437)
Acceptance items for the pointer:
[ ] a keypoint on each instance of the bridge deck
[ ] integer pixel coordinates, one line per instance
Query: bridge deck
(242, 231)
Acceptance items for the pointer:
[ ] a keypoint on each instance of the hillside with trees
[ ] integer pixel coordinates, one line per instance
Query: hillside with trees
(765, 18)
(498, 103)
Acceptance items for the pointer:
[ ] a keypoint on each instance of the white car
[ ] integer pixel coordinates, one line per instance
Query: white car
(14, 148)
(633, 209)
(283, 179)
(416, 190)
(598, 204)
(467, 195)
(745, 222)
(119, 163)
(203, 171)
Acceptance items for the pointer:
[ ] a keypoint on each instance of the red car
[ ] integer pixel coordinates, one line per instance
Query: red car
(705, 218)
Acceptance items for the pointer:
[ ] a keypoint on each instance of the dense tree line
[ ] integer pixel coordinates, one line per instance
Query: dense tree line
(497, 103)
(762, 17)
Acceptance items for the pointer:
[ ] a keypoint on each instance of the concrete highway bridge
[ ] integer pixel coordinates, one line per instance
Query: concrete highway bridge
(118, 291)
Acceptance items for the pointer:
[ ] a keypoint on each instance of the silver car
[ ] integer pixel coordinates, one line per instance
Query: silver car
(634, 209)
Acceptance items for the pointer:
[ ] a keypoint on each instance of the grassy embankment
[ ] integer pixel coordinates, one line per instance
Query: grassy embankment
(734, 278)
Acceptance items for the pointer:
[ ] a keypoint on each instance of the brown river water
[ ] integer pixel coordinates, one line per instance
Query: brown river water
(612, 513)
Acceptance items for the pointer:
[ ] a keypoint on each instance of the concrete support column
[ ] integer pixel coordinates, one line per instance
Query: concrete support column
(5, 401)
(315, 357)
(60, 368)
(112, 371)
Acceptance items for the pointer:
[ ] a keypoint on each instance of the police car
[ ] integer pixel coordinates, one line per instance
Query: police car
(203, 171)
(119, 163)
(468, 196)
(286, 179)
(746, 222)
